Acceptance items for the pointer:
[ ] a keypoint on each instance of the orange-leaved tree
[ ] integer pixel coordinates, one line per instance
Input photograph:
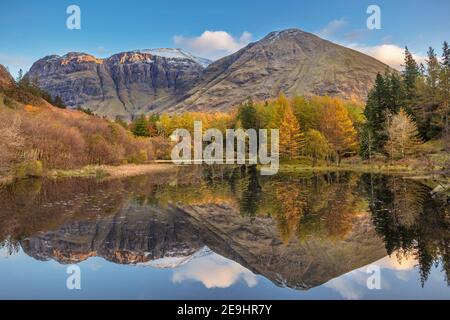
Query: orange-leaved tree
(291, 136)
(338, 128)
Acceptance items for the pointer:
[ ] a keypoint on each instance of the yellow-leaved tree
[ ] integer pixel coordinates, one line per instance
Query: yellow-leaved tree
(316, 145)
(403, 136)
(291, 136)
(338, 129)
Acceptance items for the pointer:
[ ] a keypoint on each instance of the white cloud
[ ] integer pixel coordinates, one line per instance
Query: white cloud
(332, 28)
(348, 287)
(213, 44)
(214, 271)
(390, 54)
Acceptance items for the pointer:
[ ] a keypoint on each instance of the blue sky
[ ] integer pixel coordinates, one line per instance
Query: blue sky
(30, 29)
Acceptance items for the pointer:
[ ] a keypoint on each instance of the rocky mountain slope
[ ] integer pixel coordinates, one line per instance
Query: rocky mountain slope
(125, 84)
(290, 61)
(169, 237)
(131, 83)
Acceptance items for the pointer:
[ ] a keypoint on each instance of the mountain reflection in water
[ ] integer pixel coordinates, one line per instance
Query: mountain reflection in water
(219, 226)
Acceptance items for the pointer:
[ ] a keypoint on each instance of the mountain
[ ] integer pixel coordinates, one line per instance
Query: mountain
(131, 83)
(289, 61)
(125, 84)
(6, 81)
(160, 237)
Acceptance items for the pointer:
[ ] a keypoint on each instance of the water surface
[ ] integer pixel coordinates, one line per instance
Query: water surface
(217, 233)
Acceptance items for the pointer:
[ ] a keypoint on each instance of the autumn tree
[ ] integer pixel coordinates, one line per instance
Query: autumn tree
(291, 137)
(152, 125)
(403, 136)
(316, 145)
(11, 142)
(338, 128)
(307, 111)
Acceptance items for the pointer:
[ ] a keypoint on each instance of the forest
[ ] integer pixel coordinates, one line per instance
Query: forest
(405, 117)
(403, 123)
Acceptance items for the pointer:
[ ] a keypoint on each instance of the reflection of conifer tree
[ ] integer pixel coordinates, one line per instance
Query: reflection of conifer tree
(425, 260)
(251, 196)
(381, 204)
(446, 258)
(410, 221)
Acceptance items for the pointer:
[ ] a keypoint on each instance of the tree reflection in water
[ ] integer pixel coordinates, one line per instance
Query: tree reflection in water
(411, 222)
(324, 208)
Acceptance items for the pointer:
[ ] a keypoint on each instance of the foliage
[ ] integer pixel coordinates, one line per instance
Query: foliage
(410, 220)
(140, 127)
(423, 91)
(248, 116)
(316, 145)
(338, 128)
(62, 139)
(12, 141)
(291, 137)
(403, 136)
(29, 168)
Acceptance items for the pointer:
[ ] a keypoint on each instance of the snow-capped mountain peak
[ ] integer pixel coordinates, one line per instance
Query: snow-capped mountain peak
(176, 259)
(172, 53)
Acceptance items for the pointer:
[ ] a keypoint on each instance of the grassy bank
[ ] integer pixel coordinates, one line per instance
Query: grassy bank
(121, 171)
(361, 167)
(100, 172)
(412, 169)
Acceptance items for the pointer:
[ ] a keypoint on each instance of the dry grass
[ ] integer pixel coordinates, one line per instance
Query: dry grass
(112, 172)
(129, 170)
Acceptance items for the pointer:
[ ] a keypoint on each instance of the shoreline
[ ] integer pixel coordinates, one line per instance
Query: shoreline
(405, 172)
(130, 170)
(113, 172)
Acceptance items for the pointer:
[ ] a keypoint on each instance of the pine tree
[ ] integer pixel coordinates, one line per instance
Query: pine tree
(395, 92)
(446, 55)
(291, 137)
(444, 92)
(58, 102)
(403, 136)
(367, 144)
(423, 107)
(140, 127)
(410, 76)
(376, 112)
(433, 72)
(247, 115)
(19, 76)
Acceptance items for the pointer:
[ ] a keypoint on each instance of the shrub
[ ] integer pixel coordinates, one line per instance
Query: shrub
(11, 139)
(30, 168)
